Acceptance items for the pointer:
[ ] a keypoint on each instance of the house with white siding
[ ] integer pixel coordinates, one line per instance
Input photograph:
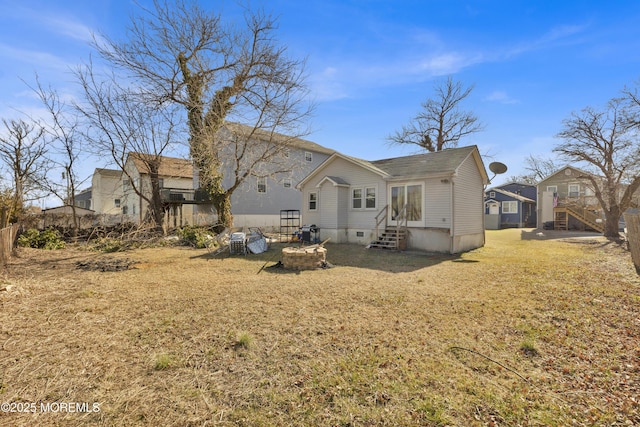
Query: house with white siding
(432, 202)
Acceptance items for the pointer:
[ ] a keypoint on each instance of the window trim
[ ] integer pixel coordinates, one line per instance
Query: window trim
(287, 183)
(315, 201)
(355, 199)
(116, 203)
(575, 193)
(308, 156)
(260, 184)
(509, 203)
(375, 197)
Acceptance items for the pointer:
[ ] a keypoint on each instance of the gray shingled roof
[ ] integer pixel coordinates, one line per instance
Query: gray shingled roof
(277, 137)
(419, 165)
(513, 195)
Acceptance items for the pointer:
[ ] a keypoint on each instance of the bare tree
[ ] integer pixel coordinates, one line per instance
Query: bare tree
(217, 73)
(120, 124)
(539, 168)
(441, 123)
(65, 140)
(606, 143)
(23, 152)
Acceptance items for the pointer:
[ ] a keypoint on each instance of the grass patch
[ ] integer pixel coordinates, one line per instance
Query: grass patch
(185, 339)
(163, 361)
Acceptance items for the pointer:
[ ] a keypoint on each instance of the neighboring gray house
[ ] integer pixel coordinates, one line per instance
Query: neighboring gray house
(277, 163)
(273, 164)
(566, 200)
(432, 202)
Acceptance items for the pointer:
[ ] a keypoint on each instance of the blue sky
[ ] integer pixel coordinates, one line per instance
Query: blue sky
(372, 63)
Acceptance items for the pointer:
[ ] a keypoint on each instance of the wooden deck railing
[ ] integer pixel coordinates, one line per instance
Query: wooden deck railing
(381, 216)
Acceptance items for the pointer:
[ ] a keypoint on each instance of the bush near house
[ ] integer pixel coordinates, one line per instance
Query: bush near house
(47, 239)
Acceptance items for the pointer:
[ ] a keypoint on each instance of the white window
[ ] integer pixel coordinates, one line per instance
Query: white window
(126, 183)
(313, 201)
(262, 185)
(125, 209)
(356, 198)
(370, 197)
(574, 190)
(286, 183)
(116, 202)
(510, 207)
(552, 188)
(308, 156)
(492, 194)
(161, 182)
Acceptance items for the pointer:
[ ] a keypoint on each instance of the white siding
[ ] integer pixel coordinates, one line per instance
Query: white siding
(347, 218)
(104, 190)
(328, 206)
(468, 193)
(438, 203)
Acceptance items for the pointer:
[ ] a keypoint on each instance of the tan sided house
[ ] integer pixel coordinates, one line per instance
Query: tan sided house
(432, 202)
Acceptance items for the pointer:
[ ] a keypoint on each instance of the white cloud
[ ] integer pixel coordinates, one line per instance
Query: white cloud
(69, 28)
(32, 57)
(501, 97)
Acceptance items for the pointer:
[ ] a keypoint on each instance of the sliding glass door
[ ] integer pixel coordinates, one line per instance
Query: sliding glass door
(411, 196)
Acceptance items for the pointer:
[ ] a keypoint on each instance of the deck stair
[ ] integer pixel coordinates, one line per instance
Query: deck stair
(391, 238)
(583, 215)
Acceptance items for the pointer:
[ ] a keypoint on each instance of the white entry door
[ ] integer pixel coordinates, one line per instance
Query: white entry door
(494, 208)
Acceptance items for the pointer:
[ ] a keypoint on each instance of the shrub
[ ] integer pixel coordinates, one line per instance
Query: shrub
(47, 239)
(194, 236)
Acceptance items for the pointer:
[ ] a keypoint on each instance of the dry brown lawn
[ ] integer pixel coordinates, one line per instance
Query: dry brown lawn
(522, 332)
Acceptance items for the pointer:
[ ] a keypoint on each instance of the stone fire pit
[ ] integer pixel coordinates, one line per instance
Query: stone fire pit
(304, 258)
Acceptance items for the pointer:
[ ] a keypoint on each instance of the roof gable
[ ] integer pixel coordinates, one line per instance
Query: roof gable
(169, 166)
(575, 173)
(445, 162)
(335, 180)
(512, 195)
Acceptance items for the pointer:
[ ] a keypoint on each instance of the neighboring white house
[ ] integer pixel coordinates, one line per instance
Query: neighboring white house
(441, 196)
(106, 191)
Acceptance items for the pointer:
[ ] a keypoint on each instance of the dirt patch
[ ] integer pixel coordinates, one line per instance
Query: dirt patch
(105, 264)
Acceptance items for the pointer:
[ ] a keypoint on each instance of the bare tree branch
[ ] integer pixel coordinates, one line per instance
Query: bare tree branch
(441, 123)
(23, 151)
(121, 123)
(218, 74)
(606, 141)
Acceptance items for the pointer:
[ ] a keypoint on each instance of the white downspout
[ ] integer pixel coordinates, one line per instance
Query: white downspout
(452, 227)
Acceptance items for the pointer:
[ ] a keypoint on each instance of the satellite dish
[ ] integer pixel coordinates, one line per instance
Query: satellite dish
(498, 168)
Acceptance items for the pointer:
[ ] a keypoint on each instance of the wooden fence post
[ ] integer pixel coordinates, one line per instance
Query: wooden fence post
(632, 222)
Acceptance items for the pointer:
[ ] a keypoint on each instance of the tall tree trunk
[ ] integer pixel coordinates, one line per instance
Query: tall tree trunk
(222, 203)
(611, 224)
